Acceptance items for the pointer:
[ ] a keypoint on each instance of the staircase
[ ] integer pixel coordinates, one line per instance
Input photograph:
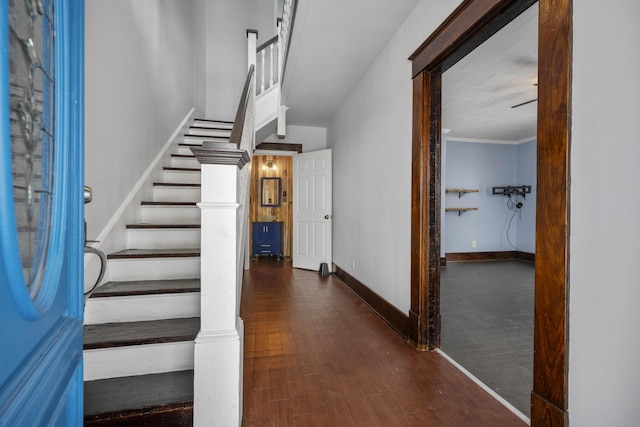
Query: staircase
(141, 325)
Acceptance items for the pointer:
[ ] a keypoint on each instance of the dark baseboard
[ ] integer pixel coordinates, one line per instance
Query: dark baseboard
(387, 312)
(490, 256)
(527, 256)
(443, 262)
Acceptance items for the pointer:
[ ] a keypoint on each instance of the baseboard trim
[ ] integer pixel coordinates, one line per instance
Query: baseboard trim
(387, 312)
(489, 256)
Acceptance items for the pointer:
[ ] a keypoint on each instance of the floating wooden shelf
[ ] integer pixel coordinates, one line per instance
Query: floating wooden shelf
(460, 191)
(460, 210)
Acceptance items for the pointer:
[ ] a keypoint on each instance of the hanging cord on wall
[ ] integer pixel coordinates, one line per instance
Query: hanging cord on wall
(514, 204)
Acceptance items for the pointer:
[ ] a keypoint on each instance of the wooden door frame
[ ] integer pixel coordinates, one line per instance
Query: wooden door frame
(467, 27)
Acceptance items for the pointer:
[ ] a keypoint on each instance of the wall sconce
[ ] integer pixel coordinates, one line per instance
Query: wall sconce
(271, 164)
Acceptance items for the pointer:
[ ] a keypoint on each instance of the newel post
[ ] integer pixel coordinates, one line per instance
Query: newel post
(252, 44)
(219, 344)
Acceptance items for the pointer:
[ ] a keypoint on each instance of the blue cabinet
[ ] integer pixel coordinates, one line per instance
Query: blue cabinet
(267, 239)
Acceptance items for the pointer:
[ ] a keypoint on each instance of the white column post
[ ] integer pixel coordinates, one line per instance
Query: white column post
(219, 345)
(282, 122)
(252, 44)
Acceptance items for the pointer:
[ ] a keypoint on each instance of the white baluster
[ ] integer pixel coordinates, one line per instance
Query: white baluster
(271, 64)
(262, 71)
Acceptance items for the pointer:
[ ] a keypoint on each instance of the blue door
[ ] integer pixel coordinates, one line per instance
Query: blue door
(41, 212)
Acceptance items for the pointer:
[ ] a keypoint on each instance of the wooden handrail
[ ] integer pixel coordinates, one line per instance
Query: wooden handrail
(238, 123)
(266, 44)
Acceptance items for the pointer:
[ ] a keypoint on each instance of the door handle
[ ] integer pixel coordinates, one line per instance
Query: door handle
(88, 194)
(327, 216)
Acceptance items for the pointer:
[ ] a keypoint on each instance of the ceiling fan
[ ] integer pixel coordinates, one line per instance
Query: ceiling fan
(526, 102)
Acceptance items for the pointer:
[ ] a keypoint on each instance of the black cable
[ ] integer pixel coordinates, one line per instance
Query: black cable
(515, 207)
(509, 228)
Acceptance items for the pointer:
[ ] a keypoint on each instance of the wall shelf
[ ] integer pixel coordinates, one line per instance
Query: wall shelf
(460, 210)
(460, 191)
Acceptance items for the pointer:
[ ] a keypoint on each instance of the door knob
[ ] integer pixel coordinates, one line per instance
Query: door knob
(327, 216)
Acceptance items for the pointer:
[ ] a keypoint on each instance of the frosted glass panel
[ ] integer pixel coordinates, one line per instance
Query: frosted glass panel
(32, 101)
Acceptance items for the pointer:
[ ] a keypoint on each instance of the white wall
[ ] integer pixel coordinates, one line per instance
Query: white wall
(482, 166)
(227, 22)
(141, 61)
(311, 138)
(604, 342)
(479, 167)
(371, 138)
(526, 219)
(200, 57)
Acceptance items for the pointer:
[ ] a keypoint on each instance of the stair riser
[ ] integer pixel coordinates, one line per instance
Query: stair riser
(210, 132)
(171, 215)
(200, 139)
(202, 124)
(163, 238)
(181, 177)
(137, 360)
(142, 308)
(120, 270)
(184, 151)
(183, 162)
(176, 194)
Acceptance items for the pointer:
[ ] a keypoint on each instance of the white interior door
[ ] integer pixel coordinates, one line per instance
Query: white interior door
(312, 209)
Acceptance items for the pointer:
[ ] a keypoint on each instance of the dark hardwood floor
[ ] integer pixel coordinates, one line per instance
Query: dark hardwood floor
(316, 355)
(487, 324)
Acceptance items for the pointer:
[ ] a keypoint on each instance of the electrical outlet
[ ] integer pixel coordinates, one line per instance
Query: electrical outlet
(353, 264)
(474, 244)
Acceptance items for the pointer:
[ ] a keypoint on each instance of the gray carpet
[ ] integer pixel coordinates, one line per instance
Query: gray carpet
(487, 324)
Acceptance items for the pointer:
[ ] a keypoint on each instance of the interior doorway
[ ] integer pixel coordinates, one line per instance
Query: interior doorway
(489, 171)
(271, 201)
(469, 25)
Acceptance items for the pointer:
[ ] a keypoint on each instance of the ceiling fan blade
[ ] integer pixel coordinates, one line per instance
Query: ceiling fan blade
(524, 103)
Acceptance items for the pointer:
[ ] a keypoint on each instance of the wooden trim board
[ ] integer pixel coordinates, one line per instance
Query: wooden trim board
(467, 27)
(387, 312)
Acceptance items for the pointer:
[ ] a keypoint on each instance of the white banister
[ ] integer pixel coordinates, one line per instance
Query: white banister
(271, 47)
(280, 51)
(262, 70)
(270, 103)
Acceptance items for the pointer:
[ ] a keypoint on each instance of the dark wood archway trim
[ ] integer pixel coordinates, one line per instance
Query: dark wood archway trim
(468, 26)
(279, 146)
(424, 315)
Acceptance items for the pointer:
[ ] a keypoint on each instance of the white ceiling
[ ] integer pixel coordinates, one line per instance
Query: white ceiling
(478, 91)
(335, 41)
(333, 44)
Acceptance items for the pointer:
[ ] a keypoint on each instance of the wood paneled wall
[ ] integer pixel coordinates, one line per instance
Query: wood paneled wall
(282, 167)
